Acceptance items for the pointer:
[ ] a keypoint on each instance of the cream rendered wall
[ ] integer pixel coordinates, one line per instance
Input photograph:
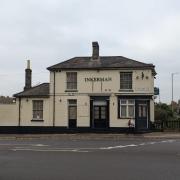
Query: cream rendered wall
(141, 86)
(26, 112)
(83, 107)
(152, 111)
(9, 114)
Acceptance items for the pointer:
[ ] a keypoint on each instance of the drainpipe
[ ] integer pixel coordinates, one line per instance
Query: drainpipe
(54, 99)
(19, 121)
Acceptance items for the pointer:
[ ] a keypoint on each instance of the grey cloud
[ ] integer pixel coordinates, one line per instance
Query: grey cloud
(49, 31)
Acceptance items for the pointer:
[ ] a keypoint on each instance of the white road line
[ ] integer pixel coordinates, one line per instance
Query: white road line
(116, 147)
(41, 147)
(48, 150)
(23, 145)
(142, 144)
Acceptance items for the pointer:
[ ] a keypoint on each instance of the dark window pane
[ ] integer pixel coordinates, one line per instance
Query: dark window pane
(126, 80)
(37, 109)
(72, 108)
(123, 111)
(71, 80)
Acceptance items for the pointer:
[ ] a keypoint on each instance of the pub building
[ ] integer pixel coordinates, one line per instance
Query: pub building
(89, 94)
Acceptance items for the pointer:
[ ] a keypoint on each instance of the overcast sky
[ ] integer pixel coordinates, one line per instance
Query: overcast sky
(50, 31)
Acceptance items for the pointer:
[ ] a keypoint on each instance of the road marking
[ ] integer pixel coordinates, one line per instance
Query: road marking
(39, 145)
(43, 147)
(24, 145)
(121, 146)
(48, 150)
(142, 144)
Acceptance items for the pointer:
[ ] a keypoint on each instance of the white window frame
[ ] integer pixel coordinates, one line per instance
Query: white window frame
(41, 109)
(127, 104)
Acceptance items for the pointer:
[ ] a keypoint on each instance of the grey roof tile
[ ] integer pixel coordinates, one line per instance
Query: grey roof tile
(41, 90)
(104, 62)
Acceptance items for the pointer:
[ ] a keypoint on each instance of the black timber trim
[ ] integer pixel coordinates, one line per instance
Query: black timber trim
(62, 130)
(37, 120)
(126, 90)
(135, 97)
(99, 97)
(69, 90)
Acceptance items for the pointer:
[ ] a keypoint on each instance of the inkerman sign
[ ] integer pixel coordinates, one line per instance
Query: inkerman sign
(97, 79)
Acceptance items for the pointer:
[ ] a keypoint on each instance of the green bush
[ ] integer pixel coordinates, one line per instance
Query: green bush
(163, 112)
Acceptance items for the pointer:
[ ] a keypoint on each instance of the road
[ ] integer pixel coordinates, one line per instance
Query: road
(88, 159)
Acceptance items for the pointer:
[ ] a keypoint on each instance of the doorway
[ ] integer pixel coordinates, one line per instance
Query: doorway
(142, 114)
(100, 113)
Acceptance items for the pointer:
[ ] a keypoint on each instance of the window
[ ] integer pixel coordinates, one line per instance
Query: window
(142, 110)
(71, 80)
(37, 110)
(72, 108)
(125, 80)
(127, 107)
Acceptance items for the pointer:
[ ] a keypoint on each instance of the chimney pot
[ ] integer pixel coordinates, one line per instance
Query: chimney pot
(28, 64)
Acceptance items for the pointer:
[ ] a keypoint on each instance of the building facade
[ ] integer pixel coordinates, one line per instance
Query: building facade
(90, 93)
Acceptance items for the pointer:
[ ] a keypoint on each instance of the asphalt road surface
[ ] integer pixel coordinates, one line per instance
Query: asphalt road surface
(88, 159)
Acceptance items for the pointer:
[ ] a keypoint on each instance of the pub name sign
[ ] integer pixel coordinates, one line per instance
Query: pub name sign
(97, 79)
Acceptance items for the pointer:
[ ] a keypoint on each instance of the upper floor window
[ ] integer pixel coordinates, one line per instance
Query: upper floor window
(37, 110)
(125, 80)
(71, 80)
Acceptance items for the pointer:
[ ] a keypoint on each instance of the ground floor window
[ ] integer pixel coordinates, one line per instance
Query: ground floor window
(37, 110)
(126, 108)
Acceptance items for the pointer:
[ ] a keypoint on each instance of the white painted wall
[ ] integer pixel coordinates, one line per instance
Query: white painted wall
(9, 114)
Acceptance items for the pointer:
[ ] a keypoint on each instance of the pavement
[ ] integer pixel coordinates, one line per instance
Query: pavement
(152, 135)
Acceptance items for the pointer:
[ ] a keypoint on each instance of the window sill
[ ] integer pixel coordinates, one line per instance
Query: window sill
(126, 90)
(37, 120)
(71, 90)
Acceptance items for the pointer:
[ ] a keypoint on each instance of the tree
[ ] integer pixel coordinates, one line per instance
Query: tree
(163, 112)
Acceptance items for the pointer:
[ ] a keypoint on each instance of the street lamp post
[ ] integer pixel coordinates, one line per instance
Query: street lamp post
(172, 76)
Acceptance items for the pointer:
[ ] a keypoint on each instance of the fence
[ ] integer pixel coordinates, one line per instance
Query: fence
(167, 125)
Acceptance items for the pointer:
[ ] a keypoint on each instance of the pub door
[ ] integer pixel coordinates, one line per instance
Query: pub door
(142, 115)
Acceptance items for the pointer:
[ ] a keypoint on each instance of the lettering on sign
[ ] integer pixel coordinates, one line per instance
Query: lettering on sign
(97, 79)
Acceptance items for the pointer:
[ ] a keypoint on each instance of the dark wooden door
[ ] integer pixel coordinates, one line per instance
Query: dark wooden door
(142, 114)
(100, 116)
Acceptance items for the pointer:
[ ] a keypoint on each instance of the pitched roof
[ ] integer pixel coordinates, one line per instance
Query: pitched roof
(41, 90)
(104, 62)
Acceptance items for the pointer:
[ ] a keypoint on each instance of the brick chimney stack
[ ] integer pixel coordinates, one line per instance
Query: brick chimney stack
(95, 53)
(28, 77)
